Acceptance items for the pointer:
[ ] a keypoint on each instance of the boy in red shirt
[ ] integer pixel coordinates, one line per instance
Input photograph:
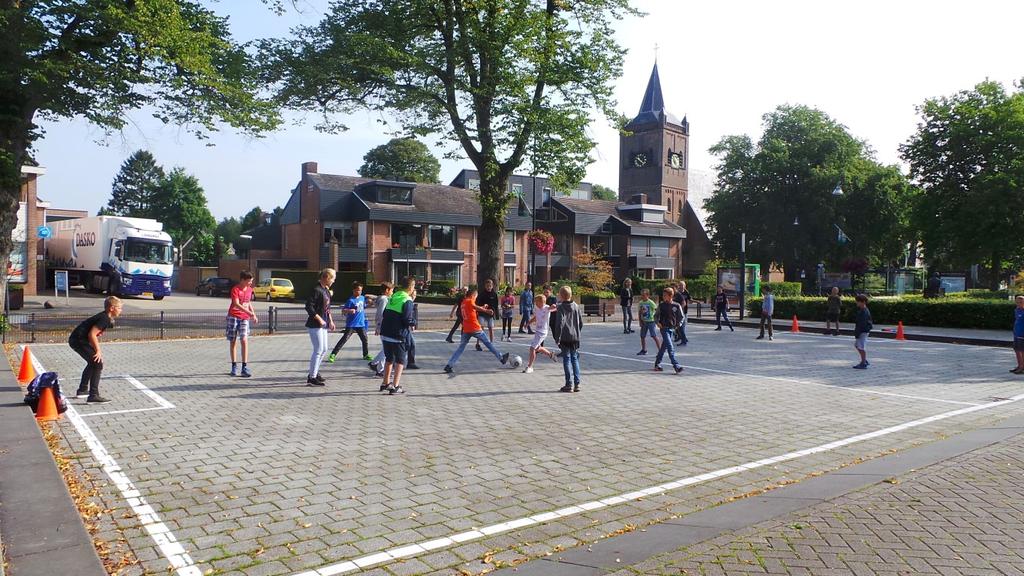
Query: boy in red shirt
(239, 314)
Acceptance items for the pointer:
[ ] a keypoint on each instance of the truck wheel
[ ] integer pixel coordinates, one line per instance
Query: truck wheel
(158, 297)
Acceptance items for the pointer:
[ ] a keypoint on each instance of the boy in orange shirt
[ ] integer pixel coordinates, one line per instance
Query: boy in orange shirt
(471, 329)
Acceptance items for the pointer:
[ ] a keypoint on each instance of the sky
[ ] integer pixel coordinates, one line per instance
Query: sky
(867, 64)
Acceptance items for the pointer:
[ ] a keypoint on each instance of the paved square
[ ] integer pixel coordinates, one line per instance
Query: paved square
(268, 476)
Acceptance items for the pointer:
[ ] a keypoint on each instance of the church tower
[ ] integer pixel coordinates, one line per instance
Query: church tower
(654, 154)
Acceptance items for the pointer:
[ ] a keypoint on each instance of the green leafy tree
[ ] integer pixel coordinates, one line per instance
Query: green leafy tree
(98, 59)
(968, 156)
(134, 186)
(604, 193)
(229, 229)
(780, 192)
(252, 219)
(401, 159)
(203, 250)
(511, 81)
(181, 205)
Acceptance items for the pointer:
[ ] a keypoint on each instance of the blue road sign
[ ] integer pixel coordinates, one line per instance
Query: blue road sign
(44, 232)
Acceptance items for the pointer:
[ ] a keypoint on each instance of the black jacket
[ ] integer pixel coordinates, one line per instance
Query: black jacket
(319, 302)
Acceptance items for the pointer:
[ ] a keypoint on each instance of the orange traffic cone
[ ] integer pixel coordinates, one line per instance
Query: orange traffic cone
(796, 325)
(27, 372)
(47, 408)
(899, 331)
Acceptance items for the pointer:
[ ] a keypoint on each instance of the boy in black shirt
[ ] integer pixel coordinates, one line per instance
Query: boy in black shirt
(669, 316)
(85, 340)
(487, 297)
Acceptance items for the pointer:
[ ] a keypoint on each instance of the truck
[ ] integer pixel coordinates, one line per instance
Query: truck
(114, 254)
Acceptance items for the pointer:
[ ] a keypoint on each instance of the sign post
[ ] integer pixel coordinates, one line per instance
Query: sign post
(60, 282)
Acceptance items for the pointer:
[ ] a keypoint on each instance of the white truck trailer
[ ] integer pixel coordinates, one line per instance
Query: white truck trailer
(114, 254)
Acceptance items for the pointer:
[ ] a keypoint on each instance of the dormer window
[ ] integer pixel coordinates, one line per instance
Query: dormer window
(394, 195)
(606, 228)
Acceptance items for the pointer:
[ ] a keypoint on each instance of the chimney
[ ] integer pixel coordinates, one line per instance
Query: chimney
(638, 199)
(308, 168)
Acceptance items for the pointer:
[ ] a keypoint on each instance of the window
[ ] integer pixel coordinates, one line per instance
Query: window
(473, 184)
(283, 283)
(510, 240)
(546, 195)
(148, 251)
(399, 230)
(448, 272)
(517, 189)
(345, 233)
(394, 195)
(600, 245)
(563, 244)
(664, 273)
(606, 228)
(510, 276)
(658, 247)
(417, 270)
(680, 207)
(442, 237)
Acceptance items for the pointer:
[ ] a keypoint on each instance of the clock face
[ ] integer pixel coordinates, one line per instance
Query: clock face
(676, 160)
(640, 160)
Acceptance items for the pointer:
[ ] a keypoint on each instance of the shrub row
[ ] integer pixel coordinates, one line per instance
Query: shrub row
(949, 313)
(783, 288)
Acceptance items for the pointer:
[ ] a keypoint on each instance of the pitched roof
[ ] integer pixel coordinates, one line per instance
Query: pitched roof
(652, 109)
(437, 199)
(611, 209)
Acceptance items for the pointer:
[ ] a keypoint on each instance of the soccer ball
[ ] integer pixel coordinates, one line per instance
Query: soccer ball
(516, 361)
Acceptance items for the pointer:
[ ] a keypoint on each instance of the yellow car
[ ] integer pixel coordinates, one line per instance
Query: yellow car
(274, 289)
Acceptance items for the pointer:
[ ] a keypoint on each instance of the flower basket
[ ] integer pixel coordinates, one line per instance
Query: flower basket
(541, 241)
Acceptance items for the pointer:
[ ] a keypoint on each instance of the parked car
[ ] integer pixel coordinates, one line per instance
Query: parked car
(215, 286)
(274, 289)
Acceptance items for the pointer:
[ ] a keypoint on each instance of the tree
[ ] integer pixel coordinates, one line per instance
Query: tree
(98, 59)
(134, 186)
(181, 205)
(511, 81)
(967, 156)
(401, 159)
(593, 270)
(252, 219)
(780, 192)
(604, 193)
(229, 229)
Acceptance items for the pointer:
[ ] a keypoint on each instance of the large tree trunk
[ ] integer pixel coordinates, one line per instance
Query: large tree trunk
(490, 241)
(14, 143)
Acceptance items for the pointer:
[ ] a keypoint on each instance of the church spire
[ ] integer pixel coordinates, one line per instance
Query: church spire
(653, 107)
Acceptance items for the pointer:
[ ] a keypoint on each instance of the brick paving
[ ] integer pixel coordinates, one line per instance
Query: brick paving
(964, 516)
(268, 476)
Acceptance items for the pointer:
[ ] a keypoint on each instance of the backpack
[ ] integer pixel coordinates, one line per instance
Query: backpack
(35, 387)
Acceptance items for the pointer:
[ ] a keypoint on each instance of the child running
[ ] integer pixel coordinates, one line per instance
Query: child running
(386, 288)
(540, 317)
(508, 305)
(240, 313)
(471, 329)
(670, 315)
(395, 334)
(862, 330)
(85, 341)
(355, 321)
(647, 311)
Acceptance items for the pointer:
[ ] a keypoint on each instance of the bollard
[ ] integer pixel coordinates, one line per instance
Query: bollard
(161, 324)
(32, 325)
(604, 311)
(270, 319)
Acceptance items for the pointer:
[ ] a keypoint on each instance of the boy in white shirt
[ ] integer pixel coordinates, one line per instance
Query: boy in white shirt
(540, 318)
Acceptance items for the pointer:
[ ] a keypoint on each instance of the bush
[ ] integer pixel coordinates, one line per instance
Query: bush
(441, 286)
(983, 294)
(949, 313)
(782, 289)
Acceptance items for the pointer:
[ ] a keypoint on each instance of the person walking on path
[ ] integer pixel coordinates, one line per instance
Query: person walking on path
(1018, 334)
(541, 317)
(767, 309)
(488, 298)
(396, 326)
(471, 329)
(240, 313)
(682, 297)
(647, 312)
(670, 316)
(722, 309)
(508, 311)
(832, 310)
(862, 330)
(355, 321)
(318, 322)
(626, 302)
(85, 341)
(568, 327)
(526, 309)
(456, 313)
(386, 289)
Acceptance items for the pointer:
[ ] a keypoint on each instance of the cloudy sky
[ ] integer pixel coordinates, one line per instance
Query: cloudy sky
(723, 64)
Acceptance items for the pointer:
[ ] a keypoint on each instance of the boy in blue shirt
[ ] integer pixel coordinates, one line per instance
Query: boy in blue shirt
(767, 309)
(1018, 334)
(355, 321)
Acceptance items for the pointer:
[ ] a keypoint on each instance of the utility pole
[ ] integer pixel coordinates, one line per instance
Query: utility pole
(743, 272)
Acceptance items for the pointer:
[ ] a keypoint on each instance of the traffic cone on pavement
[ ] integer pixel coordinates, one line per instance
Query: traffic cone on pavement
(796, 326)
(899, 331)
(46, 410)
(27, 371)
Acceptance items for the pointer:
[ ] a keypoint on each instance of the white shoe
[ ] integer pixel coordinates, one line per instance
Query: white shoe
(528, 370)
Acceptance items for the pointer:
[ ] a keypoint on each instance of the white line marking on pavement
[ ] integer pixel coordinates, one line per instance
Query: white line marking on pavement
(175, 553)
(91, 414)
(163, 403)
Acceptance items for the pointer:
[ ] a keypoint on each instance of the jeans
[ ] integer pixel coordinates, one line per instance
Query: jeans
(524, 324)
(318, 336)
(722, 315)
(480, 336)
(681, 333)
(458, 322)
(666, 346)
(627, 318)
(93, 369)
(571, 357)
(766, 319)
(360, 331)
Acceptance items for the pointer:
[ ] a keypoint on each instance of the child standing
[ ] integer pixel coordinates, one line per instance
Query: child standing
(395, 333)
(386, 289)
(647, 310)
(767, 308)
(626, 302)
(832, 312)
(355, 321)
(1018, 334)
(526, 309)
(567, 334)
(319, 321)
(85, 340)
(240, 312)
(541, 315)
(471, 329)
(722, 309)
(861, 331)
(670, 315)
(487, 298)
(508, 305)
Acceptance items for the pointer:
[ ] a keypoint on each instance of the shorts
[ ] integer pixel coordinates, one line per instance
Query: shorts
(395, 352)
(832, 317)
(1018, 344)
(861, 342)
(648, 328)
(538, 339)
(486, 321)
(236, 328)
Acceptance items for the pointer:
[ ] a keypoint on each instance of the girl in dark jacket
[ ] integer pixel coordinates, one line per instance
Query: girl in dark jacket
(319, 322)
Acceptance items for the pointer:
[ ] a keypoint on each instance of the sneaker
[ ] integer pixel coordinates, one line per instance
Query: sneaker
(770, 338)
(319, 378)
(449, 340)
(97, 400)
(641, 353)
(717, 329)
(396, 390)
(504, 358)
(379, 374)
(367, 357)
(761, 337)
(372, 365)
(84, 392)
(448, 369)
(529, 370)
(861, 366)
(731, 329)
(1018, 370)
(576, 388)
(529, 331)
(678, 369)
(478, 348)
(659, 369)
(565, 388)
(331, 357)
(412, 367)
(245, 372)
(234, 370)
(314, 381)
(521, 331)
(384, 386)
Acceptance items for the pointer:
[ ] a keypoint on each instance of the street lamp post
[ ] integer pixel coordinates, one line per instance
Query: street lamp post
(533, 227)
(743, 271)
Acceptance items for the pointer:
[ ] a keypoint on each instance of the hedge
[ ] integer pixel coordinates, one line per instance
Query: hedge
(781, 289)
(949, 313)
